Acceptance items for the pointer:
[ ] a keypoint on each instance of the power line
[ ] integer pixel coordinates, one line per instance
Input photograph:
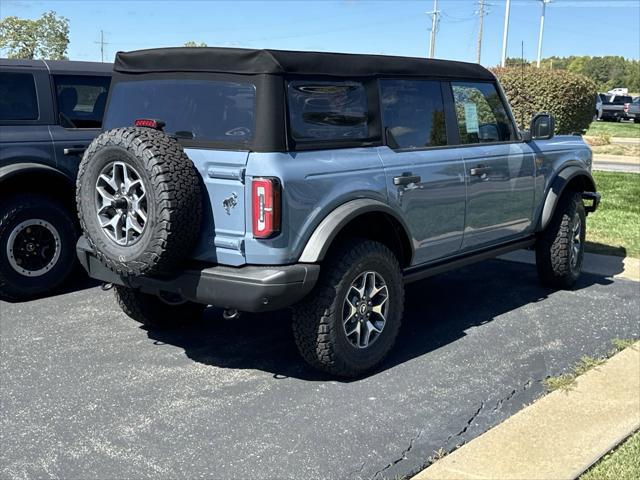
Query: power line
(102, 44)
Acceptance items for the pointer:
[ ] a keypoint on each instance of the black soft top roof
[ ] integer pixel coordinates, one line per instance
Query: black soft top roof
(279, 62)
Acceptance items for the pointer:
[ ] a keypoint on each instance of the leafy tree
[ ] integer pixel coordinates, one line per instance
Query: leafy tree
(45, 37)
(516, 62)
(191, 43)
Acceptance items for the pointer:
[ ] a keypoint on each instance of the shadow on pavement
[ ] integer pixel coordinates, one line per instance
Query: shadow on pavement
(603, 249)
(438, 311)
(76, 282)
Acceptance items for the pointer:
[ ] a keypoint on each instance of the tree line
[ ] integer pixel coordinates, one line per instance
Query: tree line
(607, 72)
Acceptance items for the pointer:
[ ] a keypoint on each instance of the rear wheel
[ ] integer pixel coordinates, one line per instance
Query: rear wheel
(157, 311)
(560, 249)
(348, 324)
(37, 245)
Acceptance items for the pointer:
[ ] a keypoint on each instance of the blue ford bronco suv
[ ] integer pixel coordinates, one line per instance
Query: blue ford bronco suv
(255, 180)
(49, 113)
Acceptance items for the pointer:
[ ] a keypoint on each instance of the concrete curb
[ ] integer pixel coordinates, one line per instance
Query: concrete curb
(561, 435)
(618, 159)
(605, 265)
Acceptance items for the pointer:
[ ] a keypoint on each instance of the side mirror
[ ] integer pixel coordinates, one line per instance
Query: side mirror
(542, 126)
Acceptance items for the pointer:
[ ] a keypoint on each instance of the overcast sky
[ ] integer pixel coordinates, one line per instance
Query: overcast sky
(589, 27)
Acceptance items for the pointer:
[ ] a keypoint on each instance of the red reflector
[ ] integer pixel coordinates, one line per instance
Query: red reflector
(150, 123)
(265, 198)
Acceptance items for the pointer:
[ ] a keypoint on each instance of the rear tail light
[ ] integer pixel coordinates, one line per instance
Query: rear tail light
(265, 198)
(149, 123)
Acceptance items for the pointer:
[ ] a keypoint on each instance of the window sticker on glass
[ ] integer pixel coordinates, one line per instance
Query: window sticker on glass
(471, 117)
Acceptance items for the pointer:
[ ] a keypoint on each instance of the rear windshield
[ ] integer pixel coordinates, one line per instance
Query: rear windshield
(620, 100)
(208, 110)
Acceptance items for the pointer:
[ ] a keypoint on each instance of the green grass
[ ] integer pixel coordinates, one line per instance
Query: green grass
(565, 381)
(623, 463)
(615, 227)
(622, 129)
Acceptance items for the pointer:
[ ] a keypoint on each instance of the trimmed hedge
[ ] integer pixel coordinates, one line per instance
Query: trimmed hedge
(569, 97)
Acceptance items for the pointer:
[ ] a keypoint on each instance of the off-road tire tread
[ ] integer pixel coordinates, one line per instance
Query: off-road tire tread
(176, 189)
(17, 204)
(312, 317)
(553, 254)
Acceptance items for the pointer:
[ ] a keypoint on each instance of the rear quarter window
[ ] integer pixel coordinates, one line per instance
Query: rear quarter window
(330, 111)
(18, 99)
(81, 100)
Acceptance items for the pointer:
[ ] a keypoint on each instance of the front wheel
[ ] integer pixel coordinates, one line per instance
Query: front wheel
(348, 324)
(37, 245)
(560, 248)
(157, 311)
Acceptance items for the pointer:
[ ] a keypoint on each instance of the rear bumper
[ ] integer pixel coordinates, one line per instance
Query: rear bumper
(248, 289)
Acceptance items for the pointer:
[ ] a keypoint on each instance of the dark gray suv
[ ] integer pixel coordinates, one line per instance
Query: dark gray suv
(49, 113)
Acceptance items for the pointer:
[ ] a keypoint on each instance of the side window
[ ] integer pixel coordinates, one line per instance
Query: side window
(482, 117)
(413, 113)
(81, 100)
(18, 99)
(327, 110)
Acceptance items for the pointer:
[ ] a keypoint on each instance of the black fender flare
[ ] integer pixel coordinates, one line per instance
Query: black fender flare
(558, 185)
(22, 168)
(329, 228)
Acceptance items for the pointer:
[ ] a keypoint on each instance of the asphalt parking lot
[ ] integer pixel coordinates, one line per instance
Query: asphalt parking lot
(87, 393)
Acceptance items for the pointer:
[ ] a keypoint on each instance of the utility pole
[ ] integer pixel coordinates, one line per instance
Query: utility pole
(544, 5)
(480, 29)
(102, 44)
(434, 26)
(505, 34)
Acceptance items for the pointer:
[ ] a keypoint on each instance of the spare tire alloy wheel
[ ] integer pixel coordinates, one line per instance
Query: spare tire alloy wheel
(121, 203)
(139, 201)
(365, 309)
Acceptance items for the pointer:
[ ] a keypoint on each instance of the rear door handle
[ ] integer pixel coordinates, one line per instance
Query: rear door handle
(406, 179)
(479, 170)
(74, 150)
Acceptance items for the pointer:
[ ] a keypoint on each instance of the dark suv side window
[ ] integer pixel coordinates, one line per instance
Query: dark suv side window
(327, 110)
(482, 117)
(81, 100)
(18, 99)
(413, 113)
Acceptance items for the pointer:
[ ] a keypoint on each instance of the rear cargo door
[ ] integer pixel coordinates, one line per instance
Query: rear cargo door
(223, 222)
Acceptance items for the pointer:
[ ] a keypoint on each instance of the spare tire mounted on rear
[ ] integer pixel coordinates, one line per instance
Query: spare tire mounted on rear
(139, 201)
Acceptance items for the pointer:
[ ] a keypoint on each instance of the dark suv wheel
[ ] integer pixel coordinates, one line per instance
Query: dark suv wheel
(37, 245)
(348, 324)
(560, 248)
